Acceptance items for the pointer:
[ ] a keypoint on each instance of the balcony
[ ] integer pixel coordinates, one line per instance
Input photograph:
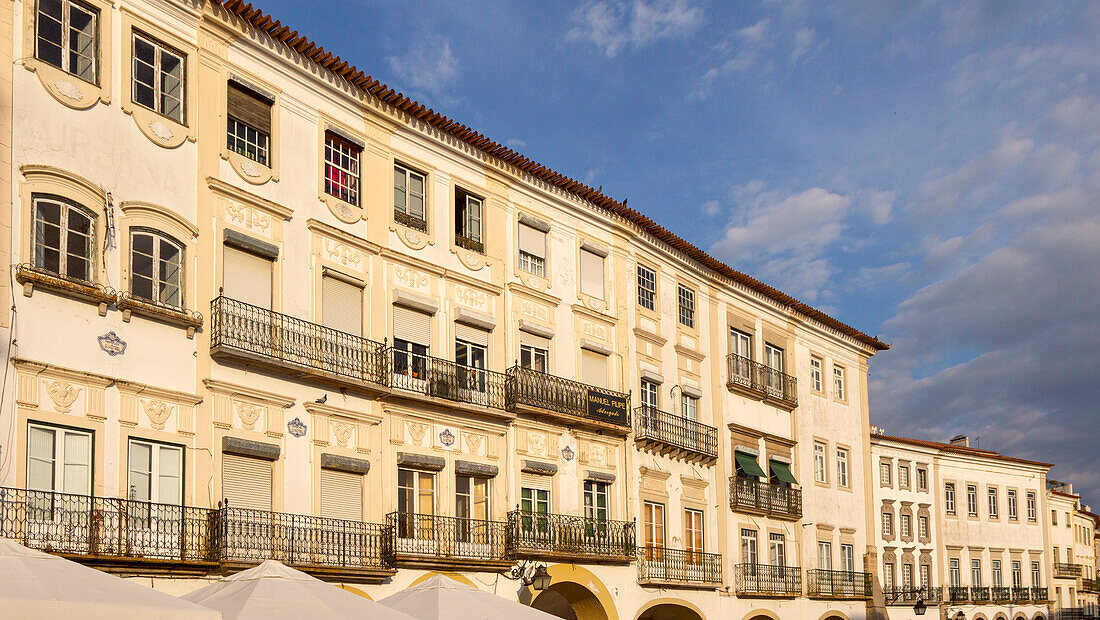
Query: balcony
(1090, 586)
(568, 537)
(440, 378)
(453, 542)
(539, 393)
(257, 335)
(1001, 594)
(759, 381)
(838, 584)
(1039, 594)
(1067, 571)
(979, 594)
(674, 434)
(900, 595)
(1021, 594)
(774, 500)
(676, 567)
(958, 594)
(1074, 613)
(767, 580)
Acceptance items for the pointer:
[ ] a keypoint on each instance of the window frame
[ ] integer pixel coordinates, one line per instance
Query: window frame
(685, 306)
(1032, 507)
(949, 498)
(887, 524)
(842, 471)
(821, 470)
(885, 474)
(160, 49)
(65, 205)
(158, 238)
(644, 275)
(65, 46)
(840, 381)
(535, 354)
(694, 517)
(922, 527)
(154, 471)
(59, 459)
(750, 546)
(334, 147)
(972, 500)
(593, 491)
(649, 393)
(1013, 509)
(462, 231)
(816, 366)
(993, 504)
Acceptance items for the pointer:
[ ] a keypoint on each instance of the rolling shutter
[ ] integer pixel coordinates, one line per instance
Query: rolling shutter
(471, 334)
(532, 241)
(341, 495)
(246, 482)
(594, 368)
(533, 340)
(412, 326)
(341, 306)
(246, 277)
(535, 481)
(592, 272)
(247, 106)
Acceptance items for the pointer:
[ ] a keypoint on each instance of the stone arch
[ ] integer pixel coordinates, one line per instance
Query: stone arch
(1000, 615)
(1038, 616)
(456, 576)
(833, 615)
(980, 616)
(574, 592)
(1020, 616)
(761, 614)
(669, 609)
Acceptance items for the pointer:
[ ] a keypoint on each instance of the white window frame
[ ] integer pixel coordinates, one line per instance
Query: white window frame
(59, 460)
(155, 474)
(885, 473)
(749, 547)
(535, 355)
(842, 467)
(64, 209)
(685, 306)
(159, 94)
(689, 407)
(847, 557)
(66, 43)
(816, 364)
(345, 157)
(647, 287)
(993, 502)
(247, 141)
(407, 175)
(650, 394)
(157, 282)
(839, 379)
(470, 226)
(887, 524)
(1013, 511)
(949, 497)
(905, 523)
(972, 500)
(821, 474)
(922, 526)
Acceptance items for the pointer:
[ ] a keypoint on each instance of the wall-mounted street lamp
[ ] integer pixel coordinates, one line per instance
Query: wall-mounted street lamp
(530, 574)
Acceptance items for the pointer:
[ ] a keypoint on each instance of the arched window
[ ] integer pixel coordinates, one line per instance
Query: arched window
(64, 238)
(156, 268)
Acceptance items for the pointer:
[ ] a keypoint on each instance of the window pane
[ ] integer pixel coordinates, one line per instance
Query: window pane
(78, 455)
(141, 470)
(82, 50)
(40, 459)
(50, 31)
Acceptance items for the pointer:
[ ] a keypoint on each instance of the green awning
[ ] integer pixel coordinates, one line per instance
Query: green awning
(782, 472)
(748, 464)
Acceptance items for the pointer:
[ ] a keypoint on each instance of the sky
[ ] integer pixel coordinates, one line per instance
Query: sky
(928, 172)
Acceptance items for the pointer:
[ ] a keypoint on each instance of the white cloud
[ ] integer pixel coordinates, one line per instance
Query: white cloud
(612, 25)
(804, 223)
(803, 40)
(516, 143)
(429, 67)
(711, 207)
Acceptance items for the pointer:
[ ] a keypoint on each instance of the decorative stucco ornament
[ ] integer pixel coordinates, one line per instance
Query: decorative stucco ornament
(112, 344)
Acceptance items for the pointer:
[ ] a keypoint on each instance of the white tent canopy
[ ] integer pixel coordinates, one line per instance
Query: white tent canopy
(43, 586)
(273, 591)
(443, 598)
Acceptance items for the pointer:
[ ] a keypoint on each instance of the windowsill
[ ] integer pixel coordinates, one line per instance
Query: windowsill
(160, 129)
(30, 276)
(411, 221)
(68, 88)
(128, 304)
(249, 169)
(467, 244)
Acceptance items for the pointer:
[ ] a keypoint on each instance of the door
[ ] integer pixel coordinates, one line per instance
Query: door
(654, 521)
(741, 365)
(472, 514)
(416, 530)
(155, 516)
(535, 514)
(411, 339)
(246, 320)
(341, 346)
(774, 361)
(344, 539)
(471, 350)
(59, 482)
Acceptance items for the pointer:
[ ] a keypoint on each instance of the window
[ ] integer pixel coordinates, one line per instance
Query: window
(248, 131)
(993, 503)
(689, 407)
(341, 495)
(815, 373)
(155, 473)
(685, 302)
(954, 575)
(158, 77)
(741, 368)
(885, 473)
(341, 307)
(535, 501)
(1012, 514)
(748, 547)
(533, 357)
(847, 557)
(1036, 578)
(975, 572)
(824, 555)
(247, 277)
(995, 571)
(67, 37)
(247, 482)
(654, 523)
(59, 460)
(650, 395)
(774, 357)
(907, 576)
(972, 500)
(925, 576)
(408, 197)
(416, 503)
(820, 474)
(1054, 517)
(647, 288)
(342, 168)
(594, 368)
(472, 508)
(592, 273)
(595, 500)
(1017, 575)
(903, 476)
(468, 221)
(838, 382)
(922, 527)
(532, 250)
(842, 467)
(156, 268)
(888, 524)
(411, 336)
(693, 531)
(922, 479)
(777, 550)
(64, 238)
(470, 354)
(887, 575)
(949, 498)
(906, 523)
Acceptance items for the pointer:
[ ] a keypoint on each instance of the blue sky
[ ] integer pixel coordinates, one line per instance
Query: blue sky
(925, 171)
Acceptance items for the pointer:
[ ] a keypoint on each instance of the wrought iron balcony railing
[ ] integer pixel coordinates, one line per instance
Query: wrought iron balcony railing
(664, 565)
(1074, 613)
(1039, 593)
(777, 500)
(1090, 585)
(902, 595)
(419, 537)
(653, 425)
(759, 380)
(470, 244)
(567, 536)
(531, 388)
(252, 536)
(412, 221)
(1001, 594)
(1021, 594)
(274, 338)
(979, 593)
(838, 584)
(767, 580)
(106, 528)
(1066, 570)
(958, 594)
(445, 379)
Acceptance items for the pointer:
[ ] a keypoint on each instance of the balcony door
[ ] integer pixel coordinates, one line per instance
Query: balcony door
(341, 503)
(774, 359)
(341, 349)
(246, 321)
(59, 480)
(596, 513)
(154, 512)
(653, 519)
(693, 535)
(741, 366)
(416, 528)
(471, 349)
(472, 512)
(412, 335)
(247, 277)
(535, 510)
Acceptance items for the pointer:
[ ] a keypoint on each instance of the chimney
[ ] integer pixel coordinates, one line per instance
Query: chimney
(960, 440)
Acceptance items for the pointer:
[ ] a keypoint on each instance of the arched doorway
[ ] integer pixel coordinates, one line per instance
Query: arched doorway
(669, 609)
(571, 601)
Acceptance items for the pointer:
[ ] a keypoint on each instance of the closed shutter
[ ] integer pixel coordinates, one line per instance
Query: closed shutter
(341, 306)
(592, 272)
(471, 334)
(246, 277)
(249, 107)
(593, 368)
(535, 481)
(412, 326)
(341, 495)
(532, 340)
(246, 482)
(532, 241)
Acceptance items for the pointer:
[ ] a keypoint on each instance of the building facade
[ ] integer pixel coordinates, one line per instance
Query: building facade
(1072, 552)
(264, 307)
